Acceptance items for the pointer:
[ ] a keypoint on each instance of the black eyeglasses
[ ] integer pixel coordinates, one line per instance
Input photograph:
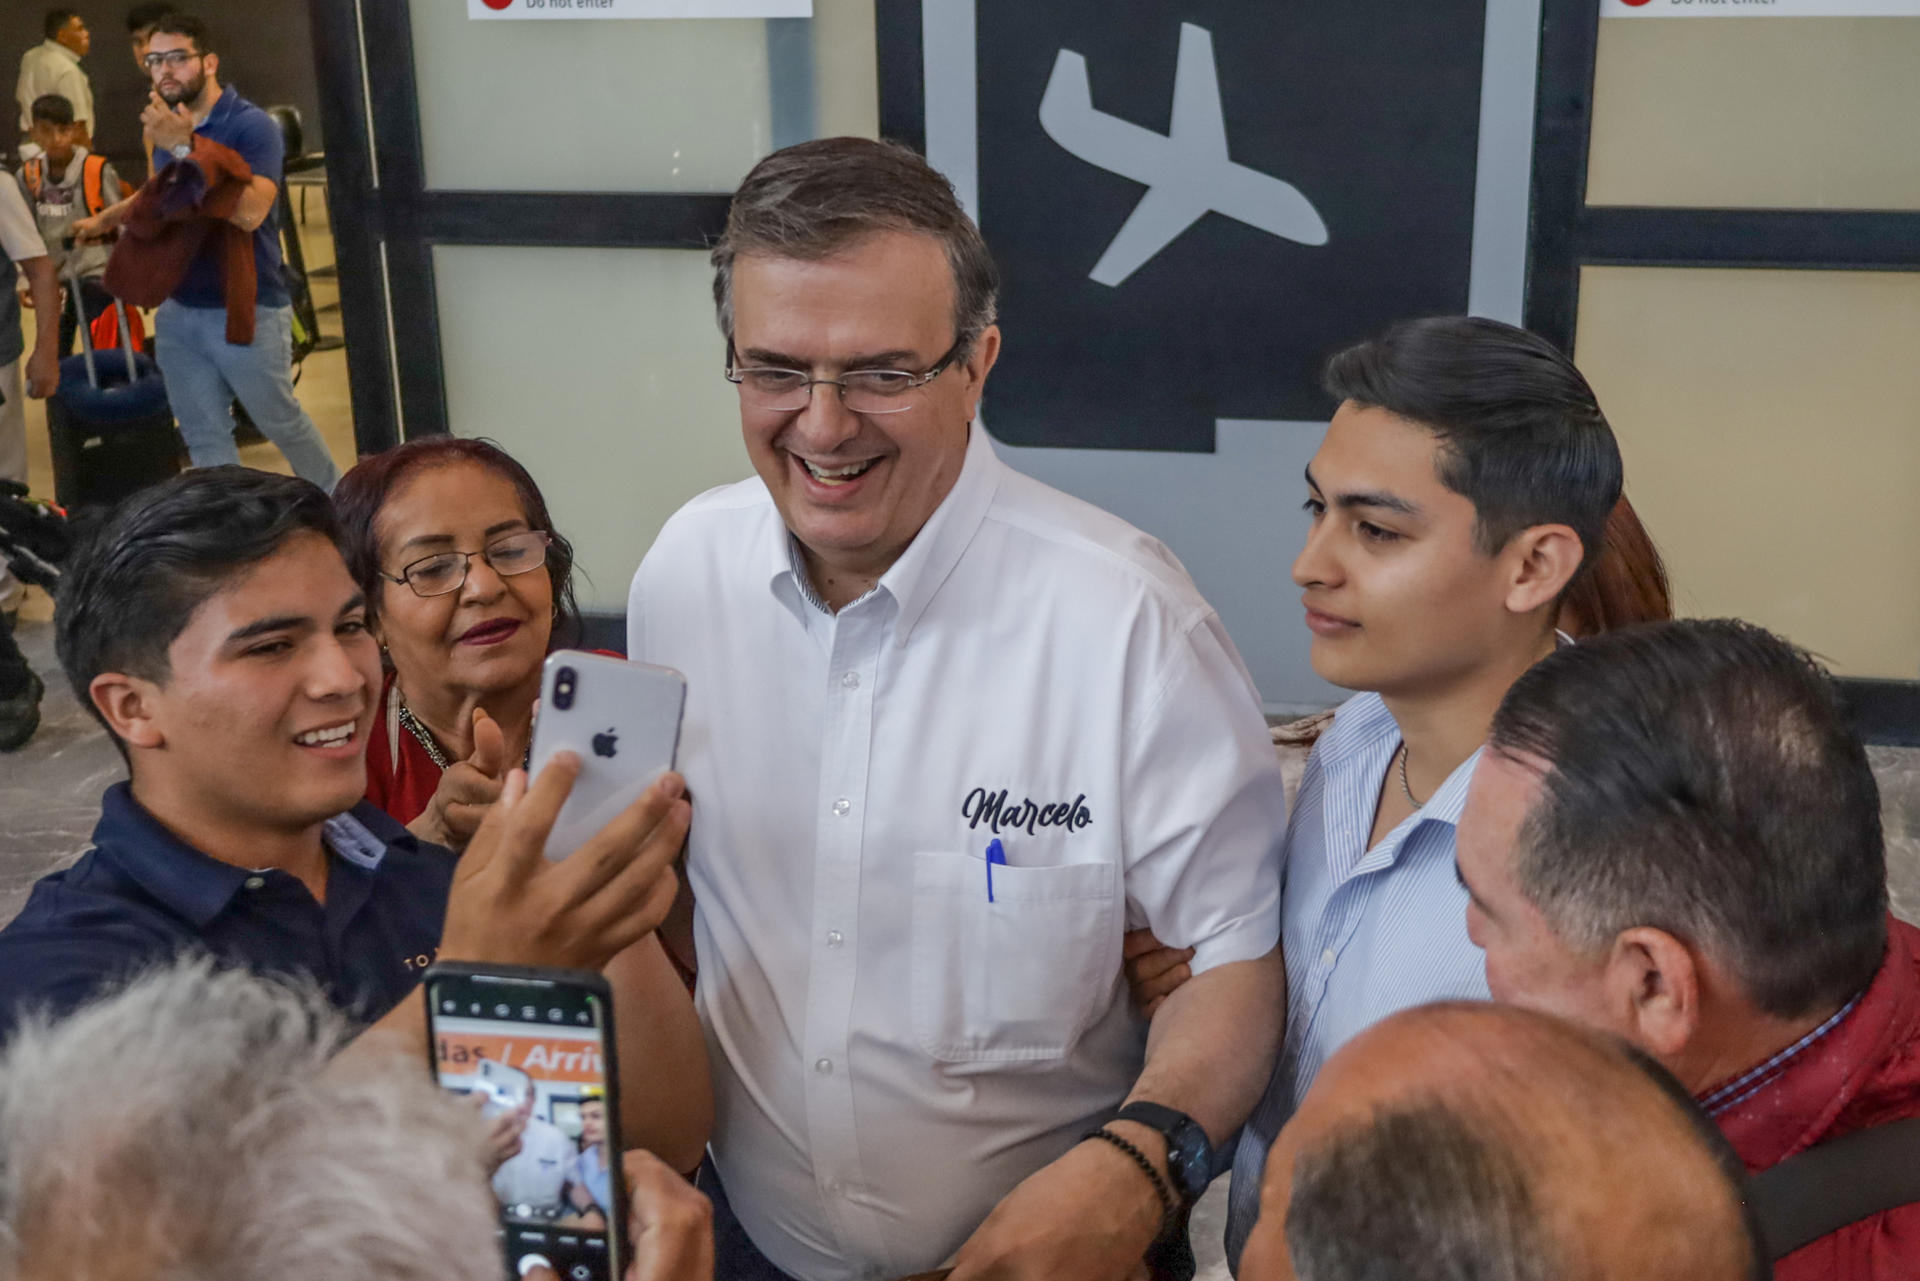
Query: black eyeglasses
(864, 391)
(444, 572)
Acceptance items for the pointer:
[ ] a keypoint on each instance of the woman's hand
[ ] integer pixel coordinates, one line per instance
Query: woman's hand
(1153, 969)
(467, 789)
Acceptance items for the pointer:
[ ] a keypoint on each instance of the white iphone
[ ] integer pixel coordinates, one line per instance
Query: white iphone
(623, 721)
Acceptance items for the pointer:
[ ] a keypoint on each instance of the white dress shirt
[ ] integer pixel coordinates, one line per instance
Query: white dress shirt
(51, 67)
(533, 1177)
(893, 1051)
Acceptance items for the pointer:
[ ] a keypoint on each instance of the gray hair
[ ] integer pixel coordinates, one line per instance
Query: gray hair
(815, 199)
(190, 1127)
(1414, 1194)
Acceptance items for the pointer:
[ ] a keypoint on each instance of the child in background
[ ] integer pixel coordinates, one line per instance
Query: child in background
(64, 183)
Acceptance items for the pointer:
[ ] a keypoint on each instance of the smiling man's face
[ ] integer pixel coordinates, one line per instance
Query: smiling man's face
(855, 489)
(263, 716)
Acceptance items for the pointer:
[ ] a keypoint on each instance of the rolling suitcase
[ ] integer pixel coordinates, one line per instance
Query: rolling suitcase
(111, 428)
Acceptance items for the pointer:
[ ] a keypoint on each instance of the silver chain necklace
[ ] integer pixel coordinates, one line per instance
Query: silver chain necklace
(412, 725)
(1403, 774)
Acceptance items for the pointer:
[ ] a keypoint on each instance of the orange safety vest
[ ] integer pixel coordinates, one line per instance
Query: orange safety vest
(92, 179)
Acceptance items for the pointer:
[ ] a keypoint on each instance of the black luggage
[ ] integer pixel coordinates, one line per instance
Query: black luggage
(111, 427)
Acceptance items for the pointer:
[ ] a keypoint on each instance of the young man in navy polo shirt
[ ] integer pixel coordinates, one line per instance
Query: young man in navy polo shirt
(206, 373)
(213, 628)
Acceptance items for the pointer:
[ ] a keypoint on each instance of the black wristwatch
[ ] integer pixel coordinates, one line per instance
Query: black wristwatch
(1189, 1154)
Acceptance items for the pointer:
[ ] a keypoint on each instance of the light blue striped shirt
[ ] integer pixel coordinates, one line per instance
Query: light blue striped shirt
(1366, 932)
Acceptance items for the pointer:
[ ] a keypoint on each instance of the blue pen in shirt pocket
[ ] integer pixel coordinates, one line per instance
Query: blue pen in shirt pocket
(996, 853)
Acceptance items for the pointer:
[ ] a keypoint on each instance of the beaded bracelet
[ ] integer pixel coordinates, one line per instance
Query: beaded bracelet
(1168, 1203)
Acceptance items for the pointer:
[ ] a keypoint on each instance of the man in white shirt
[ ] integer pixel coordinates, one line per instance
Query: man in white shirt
(53, 66)
(952, 732)
(528, 1184)
(23, 255)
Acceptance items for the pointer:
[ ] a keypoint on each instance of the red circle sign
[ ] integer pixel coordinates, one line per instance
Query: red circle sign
(1633, 3)
(501, 4)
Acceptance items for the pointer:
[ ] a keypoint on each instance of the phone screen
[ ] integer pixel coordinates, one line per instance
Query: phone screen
(532, 1053)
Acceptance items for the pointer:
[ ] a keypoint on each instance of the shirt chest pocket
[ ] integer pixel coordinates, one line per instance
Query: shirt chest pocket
(1017, 978)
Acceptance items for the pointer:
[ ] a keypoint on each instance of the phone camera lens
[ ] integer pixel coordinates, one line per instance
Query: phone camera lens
(563, 688)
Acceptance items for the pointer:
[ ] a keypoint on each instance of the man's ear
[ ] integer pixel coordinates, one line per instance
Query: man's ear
(1653, 986)
(1544, 559)
(986, 350)
(212, 64)
(130, 705)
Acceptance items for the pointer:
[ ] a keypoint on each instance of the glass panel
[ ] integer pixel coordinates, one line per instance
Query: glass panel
(600, 370)
(588, 105)
(1771, 426)
(1763, 113)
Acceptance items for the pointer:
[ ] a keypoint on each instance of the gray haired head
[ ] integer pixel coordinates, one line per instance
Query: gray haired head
(192, 1126)
(815, 199)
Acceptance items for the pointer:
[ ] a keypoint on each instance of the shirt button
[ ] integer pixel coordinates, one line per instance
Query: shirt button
(851, 680)
(834, 939)
(842, 806)
(823, 1066)
(1327, 957)
(255, 882)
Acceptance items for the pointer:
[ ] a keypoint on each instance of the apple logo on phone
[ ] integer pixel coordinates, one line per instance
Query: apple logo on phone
(603, 744)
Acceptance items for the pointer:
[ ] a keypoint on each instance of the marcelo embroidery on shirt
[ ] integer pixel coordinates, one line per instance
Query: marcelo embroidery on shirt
(991, 808)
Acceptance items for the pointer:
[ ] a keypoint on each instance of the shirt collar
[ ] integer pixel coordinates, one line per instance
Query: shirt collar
(62, 50)
(195, 885)
(1752, 1081)
(1362, 729)
(916, 577)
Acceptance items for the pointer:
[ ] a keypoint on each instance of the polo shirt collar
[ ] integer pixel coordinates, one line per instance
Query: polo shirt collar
(56, 47)
(916, 577)
(194, 885)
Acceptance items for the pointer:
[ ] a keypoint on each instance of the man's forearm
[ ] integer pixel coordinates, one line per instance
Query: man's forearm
(43, 287)
(1213, 1043)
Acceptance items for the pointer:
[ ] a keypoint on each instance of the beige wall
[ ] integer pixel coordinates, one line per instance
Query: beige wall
(1770, 422)
(1770, 419)
(1757, 112)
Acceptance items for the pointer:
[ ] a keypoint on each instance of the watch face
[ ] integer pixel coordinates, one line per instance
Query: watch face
(1189, 1170)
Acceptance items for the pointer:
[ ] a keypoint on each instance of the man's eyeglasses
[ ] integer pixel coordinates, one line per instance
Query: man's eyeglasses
(445, 572)
(172, 59)
(864, 391)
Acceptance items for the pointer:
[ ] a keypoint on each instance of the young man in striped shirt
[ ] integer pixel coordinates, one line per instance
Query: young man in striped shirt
(1463, 484)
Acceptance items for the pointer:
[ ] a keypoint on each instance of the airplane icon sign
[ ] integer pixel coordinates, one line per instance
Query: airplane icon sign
(1186, 170)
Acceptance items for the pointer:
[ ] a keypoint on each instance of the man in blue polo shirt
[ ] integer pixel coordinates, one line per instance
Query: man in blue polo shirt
(206, 373)
(213, 628)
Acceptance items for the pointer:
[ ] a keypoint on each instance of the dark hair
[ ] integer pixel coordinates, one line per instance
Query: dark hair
(1700, 778)
(134, 585)
(1521, 434)
(814, 199)
(142, 16)
(363, 492)
(1625, 582)
(56, 21)
(1414, 1193)
(176, 23)
(52, 108)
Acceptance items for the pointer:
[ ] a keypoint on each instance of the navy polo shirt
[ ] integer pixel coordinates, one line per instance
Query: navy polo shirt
(141, 896)
(234, 122)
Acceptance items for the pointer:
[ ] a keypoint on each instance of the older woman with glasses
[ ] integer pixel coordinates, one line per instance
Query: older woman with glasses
(467, 587)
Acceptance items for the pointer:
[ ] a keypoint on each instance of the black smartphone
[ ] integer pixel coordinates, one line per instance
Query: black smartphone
(535, 1049)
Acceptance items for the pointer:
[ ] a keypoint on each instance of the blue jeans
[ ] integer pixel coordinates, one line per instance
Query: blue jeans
(205, 374)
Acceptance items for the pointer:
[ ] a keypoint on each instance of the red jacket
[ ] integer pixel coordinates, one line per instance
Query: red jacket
(171, 218)
(1864, 1072)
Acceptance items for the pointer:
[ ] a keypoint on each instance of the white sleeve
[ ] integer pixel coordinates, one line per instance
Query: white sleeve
(1207, 808)
(78, 91)
(19, 234)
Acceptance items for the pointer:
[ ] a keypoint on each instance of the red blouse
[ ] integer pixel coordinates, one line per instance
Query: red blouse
(401, 777)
